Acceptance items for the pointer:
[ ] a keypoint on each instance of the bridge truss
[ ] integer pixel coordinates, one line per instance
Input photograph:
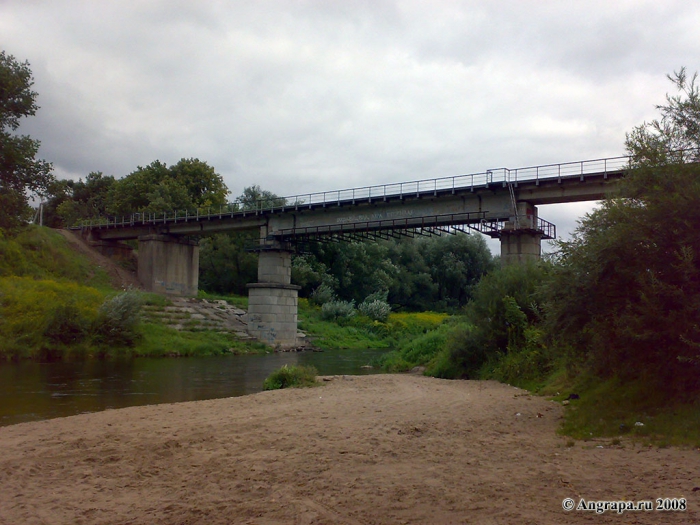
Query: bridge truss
(450, 223)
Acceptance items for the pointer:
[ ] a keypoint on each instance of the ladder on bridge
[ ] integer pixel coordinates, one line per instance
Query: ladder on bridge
(513, 202)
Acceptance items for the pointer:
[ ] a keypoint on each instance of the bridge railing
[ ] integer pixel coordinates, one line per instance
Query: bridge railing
(460, 182)
(369, 193)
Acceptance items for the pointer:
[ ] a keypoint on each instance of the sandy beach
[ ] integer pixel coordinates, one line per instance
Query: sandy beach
(356, 450)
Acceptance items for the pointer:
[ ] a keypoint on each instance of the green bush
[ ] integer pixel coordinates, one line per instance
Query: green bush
(419, 350)
(338, 310)
(506, 306)
(117, 319)
(376, 310)
(322, 294)
(443, 366)
(468, 351)
(291, 377)
(66, 325)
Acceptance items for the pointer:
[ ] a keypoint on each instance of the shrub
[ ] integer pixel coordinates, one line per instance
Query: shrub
(66, 325)
(531, 361)
(322, 295)
(117, 319)
(376, 310)
(338, 310)
(291, 377)
(468, 351)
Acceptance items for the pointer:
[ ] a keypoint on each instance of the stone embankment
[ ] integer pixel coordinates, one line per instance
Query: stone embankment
(199, 314)
(190, 314)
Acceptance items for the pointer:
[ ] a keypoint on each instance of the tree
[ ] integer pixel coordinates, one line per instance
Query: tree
(204, 186)
(224, 264)
(626, 296)
(72, 201)
(424, 273)
(187, 185)
(675, 138)
(254, 197)
(21, 174)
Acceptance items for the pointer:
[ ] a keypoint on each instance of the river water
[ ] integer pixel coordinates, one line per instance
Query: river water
(34, 391)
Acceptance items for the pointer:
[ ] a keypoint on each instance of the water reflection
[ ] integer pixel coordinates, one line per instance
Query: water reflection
(34, 391)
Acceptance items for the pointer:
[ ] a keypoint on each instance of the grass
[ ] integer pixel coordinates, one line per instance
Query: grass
(613, 409)
(31, 309)
(44, 254)
(50, 308)
(418, 350)
(291, 377)
(162, 341)
(355, 333)
(238, 301)
(360, 331)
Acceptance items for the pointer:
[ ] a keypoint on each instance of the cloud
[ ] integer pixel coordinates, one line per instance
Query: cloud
(316, 95)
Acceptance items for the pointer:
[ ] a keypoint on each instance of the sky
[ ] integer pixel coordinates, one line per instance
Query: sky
(302, 96)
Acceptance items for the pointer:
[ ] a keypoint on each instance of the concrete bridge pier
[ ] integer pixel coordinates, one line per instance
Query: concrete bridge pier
(168, 264)
(520, 246)
(273, 300)
(521, 238)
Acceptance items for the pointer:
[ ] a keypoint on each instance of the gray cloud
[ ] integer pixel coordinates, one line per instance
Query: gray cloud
(316, 95)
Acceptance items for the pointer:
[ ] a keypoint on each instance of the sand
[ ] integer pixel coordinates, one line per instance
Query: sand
(356, 450)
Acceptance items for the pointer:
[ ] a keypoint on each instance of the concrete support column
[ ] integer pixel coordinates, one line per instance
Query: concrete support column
(520, 237)
(520, 246)
(273, 301)
(168, 264)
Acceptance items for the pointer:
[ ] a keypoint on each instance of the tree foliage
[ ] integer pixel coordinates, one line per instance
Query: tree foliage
(72, 201)
(224, 264)
(156, 188)
(625, 299)
(21, 174)
(425, 273)
(505, 310)
(254, 197)
(187, 185)
(675, 137)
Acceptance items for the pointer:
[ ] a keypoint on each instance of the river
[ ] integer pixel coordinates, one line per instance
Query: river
(35, 391)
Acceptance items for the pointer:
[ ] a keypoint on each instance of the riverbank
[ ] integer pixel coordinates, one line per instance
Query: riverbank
(373, 449)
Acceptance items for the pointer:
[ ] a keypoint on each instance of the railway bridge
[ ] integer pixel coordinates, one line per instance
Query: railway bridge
(501, 203)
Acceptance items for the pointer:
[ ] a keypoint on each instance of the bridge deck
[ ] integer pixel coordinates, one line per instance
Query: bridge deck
(537, 185)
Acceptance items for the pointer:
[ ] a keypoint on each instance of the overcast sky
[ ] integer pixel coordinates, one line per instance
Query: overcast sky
(300, 96)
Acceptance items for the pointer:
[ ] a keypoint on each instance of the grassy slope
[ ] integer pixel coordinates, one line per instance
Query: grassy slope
(47, 287)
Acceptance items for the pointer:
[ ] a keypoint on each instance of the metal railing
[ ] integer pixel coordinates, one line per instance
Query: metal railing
(380, 192)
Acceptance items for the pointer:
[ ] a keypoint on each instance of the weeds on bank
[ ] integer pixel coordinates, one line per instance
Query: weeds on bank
(159, 340)
(234, 300)
(421, 349)
(291, 377)
(359, 331)
(46, 319)
(613, 409)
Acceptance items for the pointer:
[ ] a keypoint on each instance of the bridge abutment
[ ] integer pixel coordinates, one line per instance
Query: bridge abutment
(115, 250)
(273, 300)
(168, 264)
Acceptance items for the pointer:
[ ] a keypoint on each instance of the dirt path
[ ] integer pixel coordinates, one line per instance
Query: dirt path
(379, 449)
(118, 276)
